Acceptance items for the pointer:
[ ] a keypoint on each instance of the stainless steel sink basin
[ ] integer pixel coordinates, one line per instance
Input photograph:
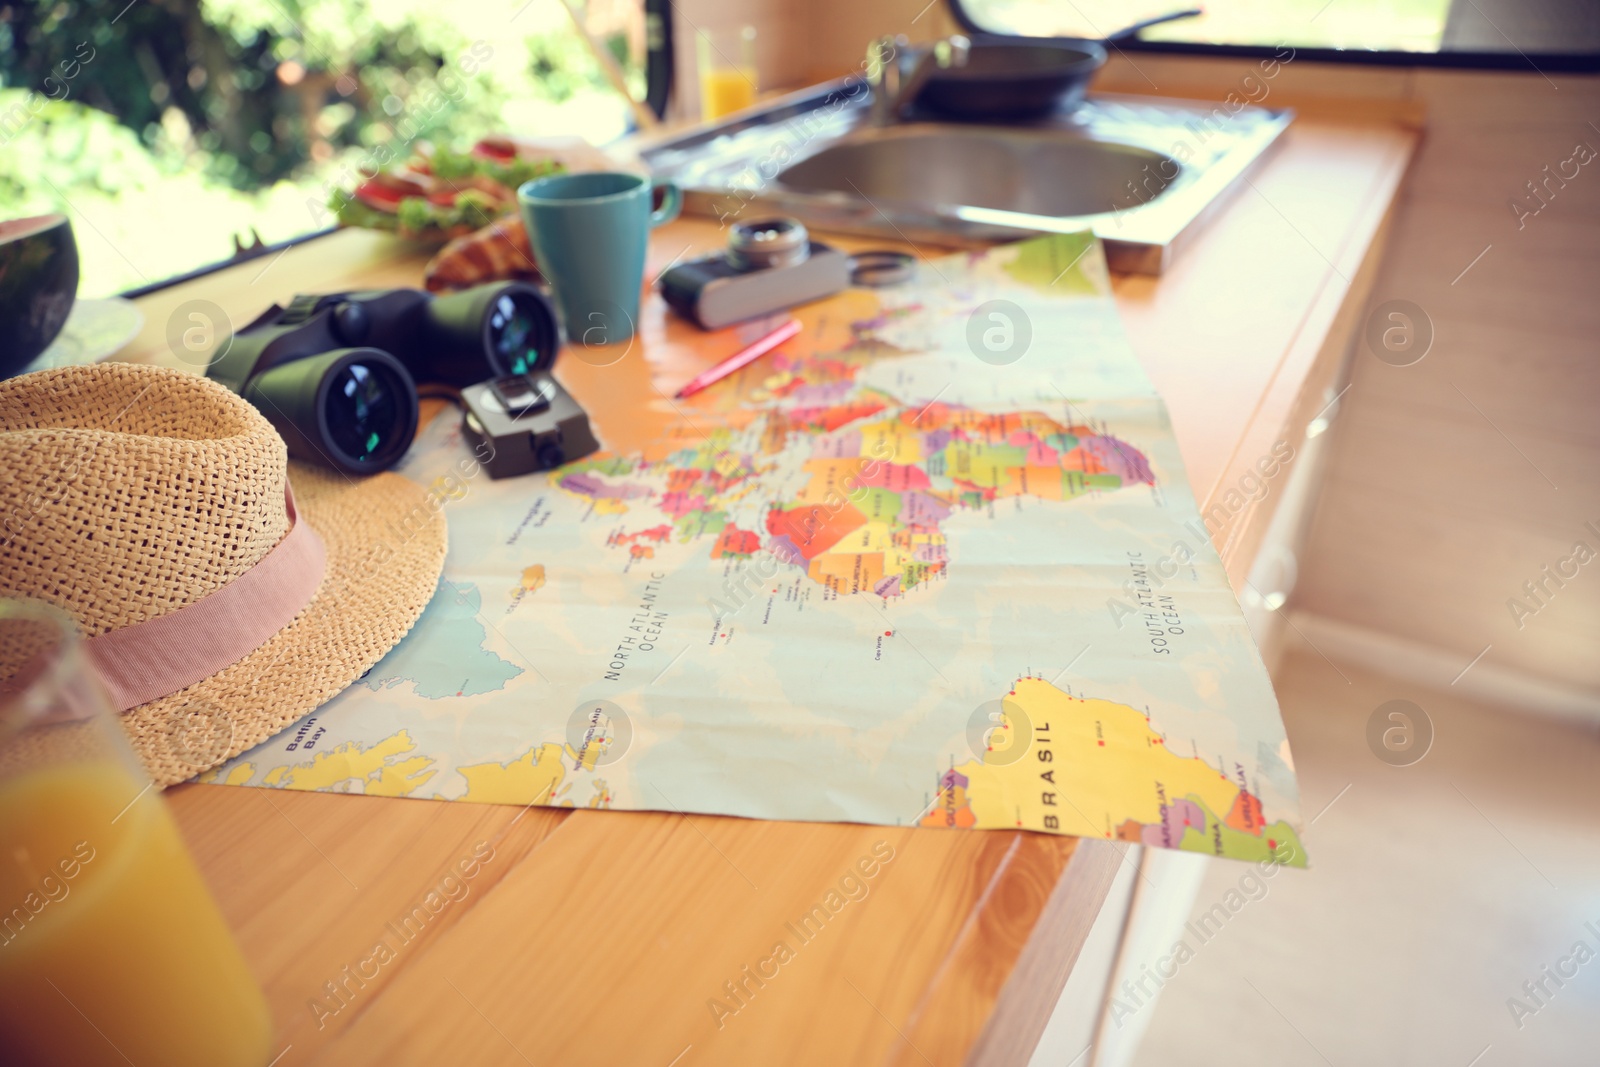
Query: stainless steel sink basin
(1035, 172)
(1142, 172)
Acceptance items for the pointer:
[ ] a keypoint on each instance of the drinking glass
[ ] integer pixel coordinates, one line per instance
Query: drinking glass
(111, 948)
(727, 71)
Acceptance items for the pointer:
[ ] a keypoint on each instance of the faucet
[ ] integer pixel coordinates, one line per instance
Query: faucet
(893, 89)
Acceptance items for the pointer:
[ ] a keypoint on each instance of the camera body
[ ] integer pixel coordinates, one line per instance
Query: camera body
(336, 374)
(770, 264)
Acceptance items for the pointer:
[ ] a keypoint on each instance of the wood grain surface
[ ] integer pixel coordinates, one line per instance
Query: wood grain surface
(608, 937)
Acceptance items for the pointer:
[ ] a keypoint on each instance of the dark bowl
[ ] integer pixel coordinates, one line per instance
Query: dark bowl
(38, 283)
(1014, 79)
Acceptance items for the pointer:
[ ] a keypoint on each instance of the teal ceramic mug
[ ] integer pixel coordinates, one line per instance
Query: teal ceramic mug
(589, 233)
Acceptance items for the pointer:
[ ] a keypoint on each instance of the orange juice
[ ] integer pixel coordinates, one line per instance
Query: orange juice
(111, 948)
(724, 90)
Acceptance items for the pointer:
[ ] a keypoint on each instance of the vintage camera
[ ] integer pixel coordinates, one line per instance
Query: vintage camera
(337, 374)
(770, 265)
(525, 423)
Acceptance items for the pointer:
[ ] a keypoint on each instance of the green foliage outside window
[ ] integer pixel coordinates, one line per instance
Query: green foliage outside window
(166, 128)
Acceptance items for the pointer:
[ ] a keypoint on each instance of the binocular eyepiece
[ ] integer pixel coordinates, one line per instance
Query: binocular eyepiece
(336, 374)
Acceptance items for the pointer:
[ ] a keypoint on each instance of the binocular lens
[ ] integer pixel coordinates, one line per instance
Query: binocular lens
(489, 332)
(353, 409)
(514, 332)
(362, 408)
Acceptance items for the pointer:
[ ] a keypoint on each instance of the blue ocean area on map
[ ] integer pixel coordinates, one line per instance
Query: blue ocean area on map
(444, 654)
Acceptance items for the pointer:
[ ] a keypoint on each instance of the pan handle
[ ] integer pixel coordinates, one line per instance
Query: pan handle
(1130, 32)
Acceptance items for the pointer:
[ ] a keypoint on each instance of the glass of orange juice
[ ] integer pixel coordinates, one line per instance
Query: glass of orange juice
(727, 71)
(112, 950)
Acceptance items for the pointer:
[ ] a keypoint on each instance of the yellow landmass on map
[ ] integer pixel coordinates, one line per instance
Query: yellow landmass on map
(238, 776)
(1089, 765)
(590, 753)
(401, 779)
(372, 767)
(531, 779)
(919, 536)
(892, 441)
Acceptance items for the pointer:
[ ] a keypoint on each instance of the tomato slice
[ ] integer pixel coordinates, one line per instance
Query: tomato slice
(378, 196)
(497, 150)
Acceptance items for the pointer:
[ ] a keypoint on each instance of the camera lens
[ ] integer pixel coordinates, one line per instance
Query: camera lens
(362, 409)
(549, 455)
(352, 409)
(777, 242)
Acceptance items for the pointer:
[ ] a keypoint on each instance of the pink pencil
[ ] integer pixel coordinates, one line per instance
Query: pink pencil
(743, 357)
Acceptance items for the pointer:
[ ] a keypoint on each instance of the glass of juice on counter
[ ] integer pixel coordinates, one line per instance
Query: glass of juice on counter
(112, 950)
(727, 71)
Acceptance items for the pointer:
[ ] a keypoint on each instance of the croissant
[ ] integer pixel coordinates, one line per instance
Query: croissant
(498, 251)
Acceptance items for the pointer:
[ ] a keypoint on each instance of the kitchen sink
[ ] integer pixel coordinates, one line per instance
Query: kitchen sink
(1036, 172)
(1142, 172)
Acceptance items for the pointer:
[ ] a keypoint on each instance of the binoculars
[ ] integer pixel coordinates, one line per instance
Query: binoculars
(336, 374)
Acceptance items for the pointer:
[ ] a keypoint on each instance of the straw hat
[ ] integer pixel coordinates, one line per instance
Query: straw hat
(154, 507)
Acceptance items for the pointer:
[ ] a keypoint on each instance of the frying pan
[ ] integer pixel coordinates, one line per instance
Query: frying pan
(1024, 77)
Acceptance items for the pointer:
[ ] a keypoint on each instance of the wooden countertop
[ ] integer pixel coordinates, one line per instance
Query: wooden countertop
(601, 937)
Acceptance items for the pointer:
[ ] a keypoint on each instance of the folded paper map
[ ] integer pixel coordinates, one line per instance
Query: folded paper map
(933, 562)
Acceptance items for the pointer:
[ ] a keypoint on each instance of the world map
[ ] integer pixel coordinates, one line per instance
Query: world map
(878, 486)
(874, 577)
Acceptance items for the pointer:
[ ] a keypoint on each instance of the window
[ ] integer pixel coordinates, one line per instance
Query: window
(1456, 32)
(168, 131)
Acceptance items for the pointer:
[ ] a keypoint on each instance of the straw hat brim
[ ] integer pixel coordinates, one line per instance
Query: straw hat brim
(385, 540)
